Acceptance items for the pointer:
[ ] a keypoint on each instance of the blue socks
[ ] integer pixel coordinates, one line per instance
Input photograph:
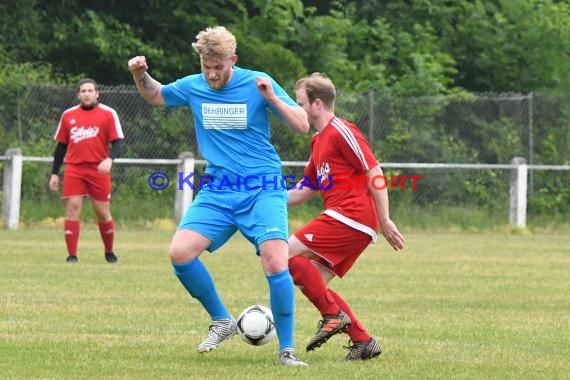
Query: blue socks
(282, 299)
(198, 282)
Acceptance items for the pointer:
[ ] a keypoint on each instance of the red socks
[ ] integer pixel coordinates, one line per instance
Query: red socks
(356, 331)
(308, 279)
(107, 231)
(71, 229)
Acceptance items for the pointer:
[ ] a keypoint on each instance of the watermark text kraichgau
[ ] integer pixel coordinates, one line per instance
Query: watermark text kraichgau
(193, 181)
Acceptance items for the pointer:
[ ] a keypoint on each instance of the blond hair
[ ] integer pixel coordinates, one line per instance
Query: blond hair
(318, 86)
(215, 42)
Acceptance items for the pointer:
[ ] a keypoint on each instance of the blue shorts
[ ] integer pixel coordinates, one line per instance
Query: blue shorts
(259, 215)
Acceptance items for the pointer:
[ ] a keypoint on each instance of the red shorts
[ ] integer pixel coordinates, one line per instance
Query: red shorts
(85, 180)
(337, 245)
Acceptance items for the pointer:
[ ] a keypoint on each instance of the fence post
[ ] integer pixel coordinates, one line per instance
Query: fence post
(184, 193)
(518, 193)
(12, 188)
(531, 140)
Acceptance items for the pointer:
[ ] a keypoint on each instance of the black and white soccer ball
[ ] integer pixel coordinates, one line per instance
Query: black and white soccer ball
(255, 325)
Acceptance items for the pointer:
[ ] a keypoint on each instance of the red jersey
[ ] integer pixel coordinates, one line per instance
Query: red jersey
(88, 132)
(339, 155)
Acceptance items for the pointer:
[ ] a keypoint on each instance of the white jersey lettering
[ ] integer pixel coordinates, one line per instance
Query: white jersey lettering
(78, 134)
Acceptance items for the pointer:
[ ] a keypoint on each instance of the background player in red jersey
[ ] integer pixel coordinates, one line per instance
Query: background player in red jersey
(329, 245)
(84, 134)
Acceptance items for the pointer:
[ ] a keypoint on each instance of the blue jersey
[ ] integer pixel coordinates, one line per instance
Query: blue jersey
(232, 125)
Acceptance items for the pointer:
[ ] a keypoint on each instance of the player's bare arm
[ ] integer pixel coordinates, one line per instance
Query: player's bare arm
(148, 87)
(295, 117)
(387, 226)
(299, 194)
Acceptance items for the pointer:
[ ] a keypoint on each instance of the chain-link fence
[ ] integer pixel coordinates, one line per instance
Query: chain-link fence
(466, 128)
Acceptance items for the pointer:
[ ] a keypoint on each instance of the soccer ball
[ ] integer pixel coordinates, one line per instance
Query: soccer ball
(255, 325)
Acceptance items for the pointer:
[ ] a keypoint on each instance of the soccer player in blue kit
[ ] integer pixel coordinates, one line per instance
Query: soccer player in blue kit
(230, 108)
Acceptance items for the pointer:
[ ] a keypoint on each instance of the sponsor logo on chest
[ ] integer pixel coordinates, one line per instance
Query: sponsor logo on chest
(224, 116)
(78, 134)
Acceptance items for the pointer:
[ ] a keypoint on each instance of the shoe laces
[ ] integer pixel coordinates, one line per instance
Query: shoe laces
(324, 321)
(354, 346)
(288, 356)
(286, 353)
(218, 327)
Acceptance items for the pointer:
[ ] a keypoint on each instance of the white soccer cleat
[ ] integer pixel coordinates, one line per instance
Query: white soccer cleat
(287, 357)
(220, 331)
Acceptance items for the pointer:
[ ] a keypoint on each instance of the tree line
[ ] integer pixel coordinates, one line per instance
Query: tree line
(409, 48)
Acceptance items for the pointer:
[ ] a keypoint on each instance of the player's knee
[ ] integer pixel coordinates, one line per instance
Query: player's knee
(72, 214)
(181, 253)
(73, 206)
(272, 264)
(176, 252)
(104, 218)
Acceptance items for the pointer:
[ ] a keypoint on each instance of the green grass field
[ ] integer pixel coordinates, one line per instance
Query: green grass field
(451, 306)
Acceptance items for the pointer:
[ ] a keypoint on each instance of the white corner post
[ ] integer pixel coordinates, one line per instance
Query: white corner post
(12, 188)
(184, 192)
(518, 193)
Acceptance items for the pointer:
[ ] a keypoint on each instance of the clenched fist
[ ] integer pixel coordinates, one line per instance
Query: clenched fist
(138, 66)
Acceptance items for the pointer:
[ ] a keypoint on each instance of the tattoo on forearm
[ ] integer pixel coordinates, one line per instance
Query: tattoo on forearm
(147, 82)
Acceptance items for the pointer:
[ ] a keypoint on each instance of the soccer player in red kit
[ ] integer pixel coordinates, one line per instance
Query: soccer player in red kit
(342, 168)
(83, 136)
